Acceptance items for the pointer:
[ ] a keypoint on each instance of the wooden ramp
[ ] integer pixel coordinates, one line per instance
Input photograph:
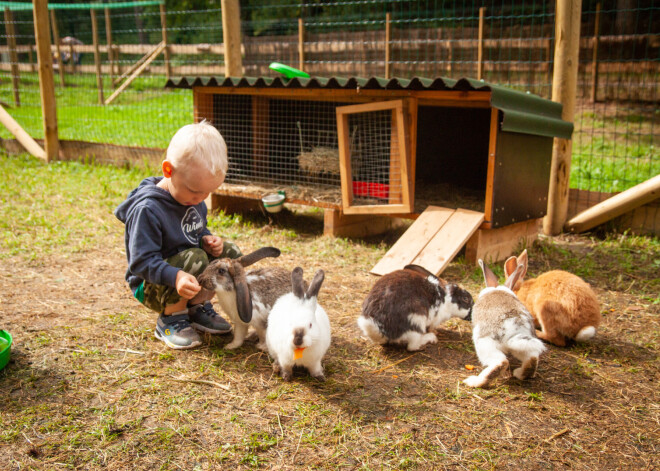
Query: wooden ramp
(432, 241)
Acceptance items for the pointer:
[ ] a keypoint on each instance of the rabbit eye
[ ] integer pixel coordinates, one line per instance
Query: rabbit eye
(222, 271)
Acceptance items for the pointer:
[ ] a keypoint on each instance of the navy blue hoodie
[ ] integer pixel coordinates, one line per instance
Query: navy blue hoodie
(157, 227)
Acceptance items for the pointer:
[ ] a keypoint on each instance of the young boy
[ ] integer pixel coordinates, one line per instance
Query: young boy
(167, 242)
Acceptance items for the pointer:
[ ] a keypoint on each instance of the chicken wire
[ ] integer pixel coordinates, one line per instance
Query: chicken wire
(614, 145)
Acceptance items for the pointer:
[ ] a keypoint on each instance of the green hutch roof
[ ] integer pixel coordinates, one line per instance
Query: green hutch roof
(522, 112)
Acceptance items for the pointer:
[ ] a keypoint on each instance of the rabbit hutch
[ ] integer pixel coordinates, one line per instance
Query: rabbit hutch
(467, 160)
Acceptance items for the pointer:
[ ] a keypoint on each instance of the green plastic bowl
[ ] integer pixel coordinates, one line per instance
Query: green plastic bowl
(5, 348)
(288, 71)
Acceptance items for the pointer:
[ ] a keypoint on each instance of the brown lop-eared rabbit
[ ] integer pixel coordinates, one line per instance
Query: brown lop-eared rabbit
(562, 304)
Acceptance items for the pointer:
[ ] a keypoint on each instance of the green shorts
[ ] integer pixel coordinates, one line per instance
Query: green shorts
(192, 261)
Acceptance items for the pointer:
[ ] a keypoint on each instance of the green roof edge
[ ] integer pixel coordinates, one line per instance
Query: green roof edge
(522, 112)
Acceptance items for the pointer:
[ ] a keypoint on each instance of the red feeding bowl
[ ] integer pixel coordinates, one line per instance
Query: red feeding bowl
(375, 190)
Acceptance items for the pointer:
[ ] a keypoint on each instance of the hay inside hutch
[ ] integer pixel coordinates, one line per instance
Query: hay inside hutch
(367, 148)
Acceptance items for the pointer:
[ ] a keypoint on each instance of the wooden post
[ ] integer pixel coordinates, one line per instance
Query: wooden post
(548, 57)
(46, 84)
(301, 44)
(163, 25)
(594, 59)
(56, 40)
(480, 47)
(72, 62)
(108, 39)
(13, 56)
(97, 54)
(388, 39)
(231, 33)
(564, 86)
(33, 67)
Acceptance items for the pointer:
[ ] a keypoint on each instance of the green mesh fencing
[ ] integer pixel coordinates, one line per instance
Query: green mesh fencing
(508, 43)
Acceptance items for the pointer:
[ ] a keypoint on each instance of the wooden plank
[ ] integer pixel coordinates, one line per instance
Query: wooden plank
(490, 170)
(456, 98)
(137, 64)
(21, 135)
(135, 74)
(337, 224)
(493, 245)
(202, 107)
(413, 241)
(403, 131)
(412, 128)
(345, 170)
(392, 209)
(444, 246)
(616, 205)
(232, 204)
(395, 172)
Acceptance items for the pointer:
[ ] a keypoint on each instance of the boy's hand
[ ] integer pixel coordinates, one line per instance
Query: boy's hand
(186, 285)
(212, 244)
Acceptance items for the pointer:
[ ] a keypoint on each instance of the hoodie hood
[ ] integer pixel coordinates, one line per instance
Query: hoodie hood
(148, 188)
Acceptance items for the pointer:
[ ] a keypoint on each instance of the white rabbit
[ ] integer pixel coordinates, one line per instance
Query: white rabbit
(298, 330)
(502, 325)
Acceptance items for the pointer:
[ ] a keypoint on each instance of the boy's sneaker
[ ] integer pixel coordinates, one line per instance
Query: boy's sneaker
(176, 331)
(203, 317)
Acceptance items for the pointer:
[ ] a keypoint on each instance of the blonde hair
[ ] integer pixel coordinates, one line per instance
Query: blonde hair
(199, 143)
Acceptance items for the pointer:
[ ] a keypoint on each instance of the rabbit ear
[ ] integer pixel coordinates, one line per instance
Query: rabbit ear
(243, 297)
(419, 269)
(522, 260)
(510, 266)
(297, 283)
(258, 254)
(514, 277)
(315, 285)
(489, 276)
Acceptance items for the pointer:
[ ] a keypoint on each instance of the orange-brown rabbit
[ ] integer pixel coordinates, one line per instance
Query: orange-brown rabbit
(562, 304)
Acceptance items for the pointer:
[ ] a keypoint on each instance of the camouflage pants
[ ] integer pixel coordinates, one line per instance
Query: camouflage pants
(192, 261)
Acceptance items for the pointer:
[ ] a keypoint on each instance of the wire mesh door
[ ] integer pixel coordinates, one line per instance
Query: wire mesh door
(374, 158)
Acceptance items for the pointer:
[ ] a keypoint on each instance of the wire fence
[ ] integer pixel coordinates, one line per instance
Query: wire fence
(97, 49)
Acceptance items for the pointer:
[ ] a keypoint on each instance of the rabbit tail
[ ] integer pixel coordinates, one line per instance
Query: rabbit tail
(586, 333)
(371, 330)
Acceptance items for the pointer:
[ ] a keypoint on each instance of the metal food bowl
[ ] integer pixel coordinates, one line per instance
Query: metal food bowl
(273, 202)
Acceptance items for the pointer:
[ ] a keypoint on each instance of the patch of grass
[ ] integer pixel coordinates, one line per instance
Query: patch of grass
(146, 114)
(36, 202)
(89, 386)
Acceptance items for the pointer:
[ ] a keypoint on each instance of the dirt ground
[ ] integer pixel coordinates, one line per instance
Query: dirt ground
(89, 387)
